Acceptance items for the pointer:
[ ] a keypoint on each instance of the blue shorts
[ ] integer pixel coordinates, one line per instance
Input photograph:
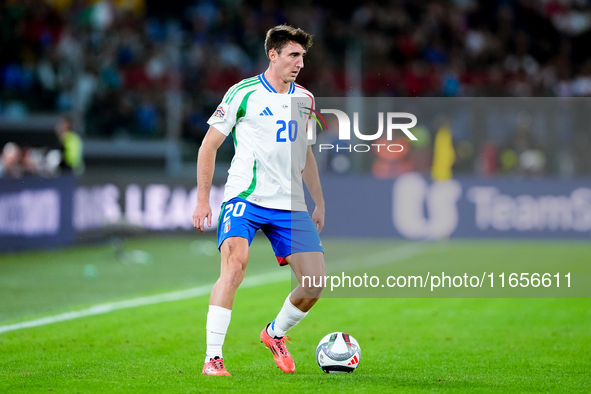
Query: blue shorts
(289, 231)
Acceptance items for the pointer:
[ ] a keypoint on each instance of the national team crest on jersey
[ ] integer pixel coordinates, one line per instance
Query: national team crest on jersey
(220, 113)
(302, 106)
(227, 226)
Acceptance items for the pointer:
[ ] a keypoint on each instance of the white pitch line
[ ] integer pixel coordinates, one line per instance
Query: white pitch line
(250, 281)
(100, 309)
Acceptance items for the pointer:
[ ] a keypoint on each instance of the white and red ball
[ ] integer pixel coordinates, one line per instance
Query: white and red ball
(338, 352)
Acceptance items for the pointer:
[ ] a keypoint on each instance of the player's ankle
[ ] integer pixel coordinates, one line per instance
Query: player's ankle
(208, 358)
(272, 332)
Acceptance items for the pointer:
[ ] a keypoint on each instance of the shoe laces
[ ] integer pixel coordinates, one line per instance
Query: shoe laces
(280, 343)
(217, 363)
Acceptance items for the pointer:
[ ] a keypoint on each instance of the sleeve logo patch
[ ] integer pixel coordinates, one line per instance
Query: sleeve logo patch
(220, 113)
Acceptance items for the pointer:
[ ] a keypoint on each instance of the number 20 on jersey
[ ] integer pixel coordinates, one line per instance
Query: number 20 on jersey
(290, 128)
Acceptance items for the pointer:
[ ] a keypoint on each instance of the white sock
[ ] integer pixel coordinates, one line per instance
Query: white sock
(218, 320)
(288, 317)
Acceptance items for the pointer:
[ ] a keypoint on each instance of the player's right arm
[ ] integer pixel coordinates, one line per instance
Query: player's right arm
(205, 168)
(221, 124)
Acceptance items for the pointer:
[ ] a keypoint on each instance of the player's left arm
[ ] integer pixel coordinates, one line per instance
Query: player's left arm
(312, 180)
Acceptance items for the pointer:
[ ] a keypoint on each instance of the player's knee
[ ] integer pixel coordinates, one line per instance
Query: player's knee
(233, 272)
(238, 261)
(313, 285)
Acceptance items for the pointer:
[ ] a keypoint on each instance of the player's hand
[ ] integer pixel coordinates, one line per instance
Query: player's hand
(318, 218)
(202, 213)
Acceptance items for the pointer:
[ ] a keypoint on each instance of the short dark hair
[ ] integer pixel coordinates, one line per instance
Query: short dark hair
(279, 36)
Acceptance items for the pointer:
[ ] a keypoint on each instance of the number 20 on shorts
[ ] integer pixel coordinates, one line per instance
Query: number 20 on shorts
(236, 210)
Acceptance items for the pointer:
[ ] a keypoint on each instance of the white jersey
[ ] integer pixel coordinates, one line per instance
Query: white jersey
(271, 133)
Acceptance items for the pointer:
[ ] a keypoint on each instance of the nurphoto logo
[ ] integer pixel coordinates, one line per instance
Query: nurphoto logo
(392, 123)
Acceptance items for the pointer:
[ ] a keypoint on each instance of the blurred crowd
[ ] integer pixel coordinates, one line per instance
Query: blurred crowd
(45, 161)
(115, 63)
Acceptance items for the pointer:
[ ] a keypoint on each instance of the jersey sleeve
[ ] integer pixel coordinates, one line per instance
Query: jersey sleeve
(224, 117)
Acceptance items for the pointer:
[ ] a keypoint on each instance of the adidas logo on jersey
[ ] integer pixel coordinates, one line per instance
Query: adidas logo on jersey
(266, 112)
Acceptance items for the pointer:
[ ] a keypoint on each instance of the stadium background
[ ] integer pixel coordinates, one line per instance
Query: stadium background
(139, 80)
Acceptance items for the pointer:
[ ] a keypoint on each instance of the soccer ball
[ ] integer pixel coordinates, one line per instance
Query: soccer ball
(338, 352)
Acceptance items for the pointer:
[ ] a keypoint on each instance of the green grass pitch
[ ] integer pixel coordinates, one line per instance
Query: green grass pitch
(408, 344)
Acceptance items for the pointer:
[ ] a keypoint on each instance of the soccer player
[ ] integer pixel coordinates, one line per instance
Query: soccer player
(264, 191)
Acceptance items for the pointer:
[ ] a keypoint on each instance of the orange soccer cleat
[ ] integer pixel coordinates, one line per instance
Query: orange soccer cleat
(282, 356)
(215, 367)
